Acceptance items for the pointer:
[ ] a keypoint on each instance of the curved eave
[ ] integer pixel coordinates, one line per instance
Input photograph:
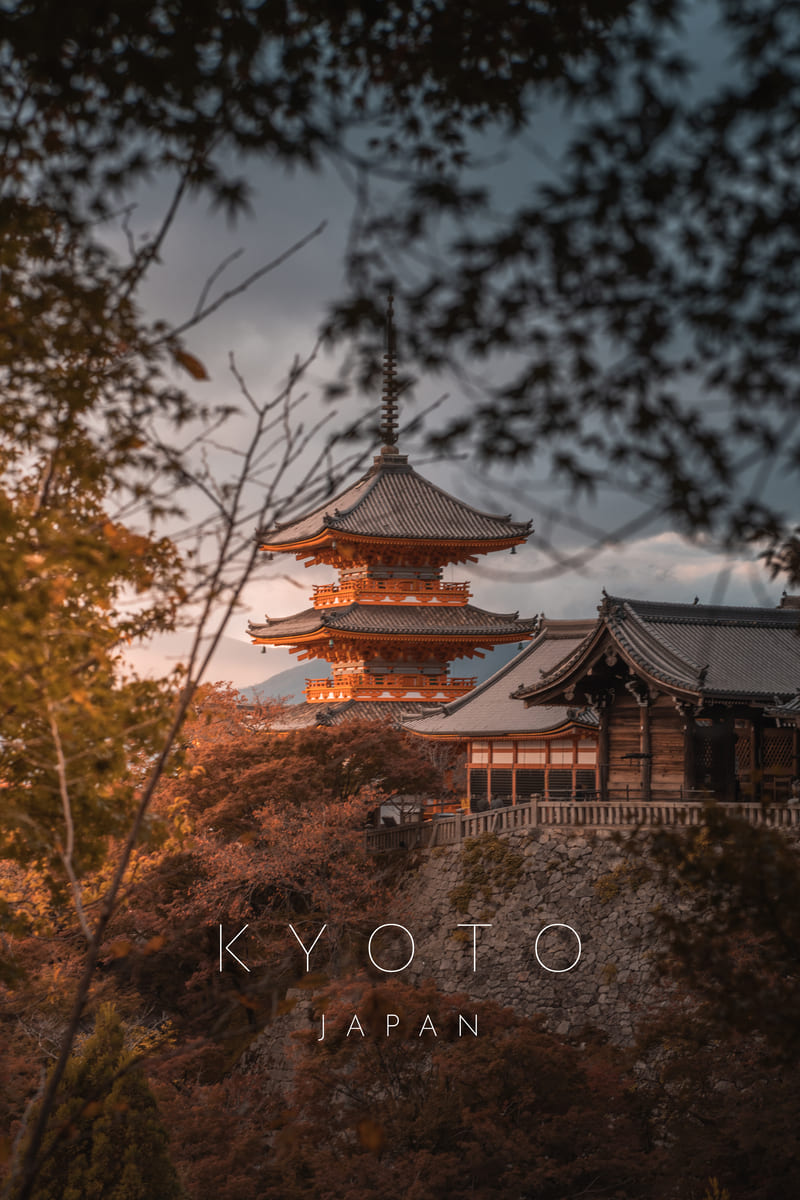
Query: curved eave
(471, 638)
(589, 654)
(553, 683)
(553, 688)
(393, 502)
(515, 735)
(325, 540)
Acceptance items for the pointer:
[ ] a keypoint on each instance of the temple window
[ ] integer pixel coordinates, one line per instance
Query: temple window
(531, 753)
(587, 750)
(562, 752)
(480, 752)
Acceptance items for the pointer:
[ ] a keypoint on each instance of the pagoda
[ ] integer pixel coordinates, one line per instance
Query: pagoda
(390, 626)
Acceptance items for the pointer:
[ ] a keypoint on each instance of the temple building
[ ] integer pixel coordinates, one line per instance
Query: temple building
(514, 751)
(649, 701)
(691, 699)
(390, 626)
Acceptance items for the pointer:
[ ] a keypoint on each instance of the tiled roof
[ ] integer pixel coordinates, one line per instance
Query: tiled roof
(447, 621)
(713, 649)
(344, 712)
(489, 708)
(787, 712)
(393, 501)
(709, 651)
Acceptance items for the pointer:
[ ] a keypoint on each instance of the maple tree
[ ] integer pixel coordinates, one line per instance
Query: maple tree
(74, 721)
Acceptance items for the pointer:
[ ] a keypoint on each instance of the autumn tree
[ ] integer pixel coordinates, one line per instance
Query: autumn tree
(444, 1113)
(719, 1064)
(106, 1139)
(735, 939)
(269, 831)
(232, 765)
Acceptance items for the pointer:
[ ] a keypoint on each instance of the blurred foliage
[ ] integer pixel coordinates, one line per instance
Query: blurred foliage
(622, 305)
(429, 1111)
(636, 303)
(735, 936)
(74, 726)
(106, 1140)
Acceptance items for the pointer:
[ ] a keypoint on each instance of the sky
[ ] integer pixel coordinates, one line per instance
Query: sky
(574, 552)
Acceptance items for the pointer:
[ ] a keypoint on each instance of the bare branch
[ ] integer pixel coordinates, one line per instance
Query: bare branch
(66, 852)
(212, 279)
(200, 315)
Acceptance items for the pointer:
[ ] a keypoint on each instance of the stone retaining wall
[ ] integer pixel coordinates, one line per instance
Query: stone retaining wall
(520, 884)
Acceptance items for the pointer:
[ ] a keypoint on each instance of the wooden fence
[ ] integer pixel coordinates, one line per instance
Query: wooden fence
(451, 828)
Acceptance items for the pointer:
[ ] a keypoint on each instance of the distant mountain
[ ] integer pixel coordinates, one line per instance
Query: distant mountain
(290, 684)
(287, 685)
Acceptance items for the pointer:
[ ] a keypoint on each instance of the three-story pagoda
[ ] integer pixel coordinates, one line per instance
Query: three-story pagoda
(390, 626)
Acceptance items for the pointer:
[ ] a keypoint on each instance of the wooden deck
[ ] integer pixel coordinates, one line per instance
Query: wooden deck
(452, 828)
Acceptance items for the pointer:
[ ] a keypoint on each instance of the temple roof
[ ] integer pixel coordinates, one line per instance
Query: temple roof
(708, 651)
(424, 620)
(490, 709)
(343, 712)
(393, 501)
(788, 713)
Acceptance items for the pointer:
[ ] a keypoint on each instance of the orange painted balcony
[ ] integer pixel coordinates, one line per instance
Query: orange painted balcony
(390, 591)
(389, 687)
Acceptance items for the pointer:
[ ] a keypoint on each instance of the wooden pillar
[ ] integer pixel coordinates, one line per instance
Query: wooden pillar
(728, 751)
(757, 756)
(687, 712)
(603, 743)
(647, 751)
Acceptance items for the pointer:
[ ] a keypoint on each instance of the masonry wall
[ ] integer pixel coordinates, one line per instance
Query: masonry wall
(518, 884)
(521, 883)
(606, 889)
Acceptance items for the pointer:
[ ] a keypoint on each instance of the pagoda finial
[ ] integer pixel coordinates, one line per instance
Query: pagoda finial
(390, 384)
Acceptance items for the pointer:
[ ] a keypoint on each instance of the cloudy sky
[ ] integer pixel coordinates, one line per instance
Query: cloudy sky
(577, 548)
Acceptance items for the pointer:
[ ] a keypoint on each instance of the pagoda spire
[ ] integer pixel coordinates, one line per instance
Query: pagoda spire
(390, 385)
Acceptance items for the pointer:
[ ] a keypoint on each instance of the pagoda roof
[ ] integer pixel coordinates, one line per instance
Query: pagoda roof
(463, 620)
(393, 501)
(309, 715)
(491, 710)
(706, 651)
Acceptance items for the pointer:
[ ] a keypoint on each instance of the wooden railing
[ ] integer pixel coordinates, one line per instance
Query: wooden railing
(375, 591)
(453, 828)
(370, 687)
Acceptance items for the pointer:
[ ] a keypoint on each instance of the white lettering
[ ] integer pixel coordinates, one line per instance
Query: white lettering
(390, 970)
(311, 947)
(557, 970)
(475, 926)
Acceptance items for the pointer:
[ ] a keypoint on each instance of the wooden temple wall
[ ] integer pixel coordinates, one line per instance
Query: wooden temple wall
(628, 740)
(624, 738)
(668, 746)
